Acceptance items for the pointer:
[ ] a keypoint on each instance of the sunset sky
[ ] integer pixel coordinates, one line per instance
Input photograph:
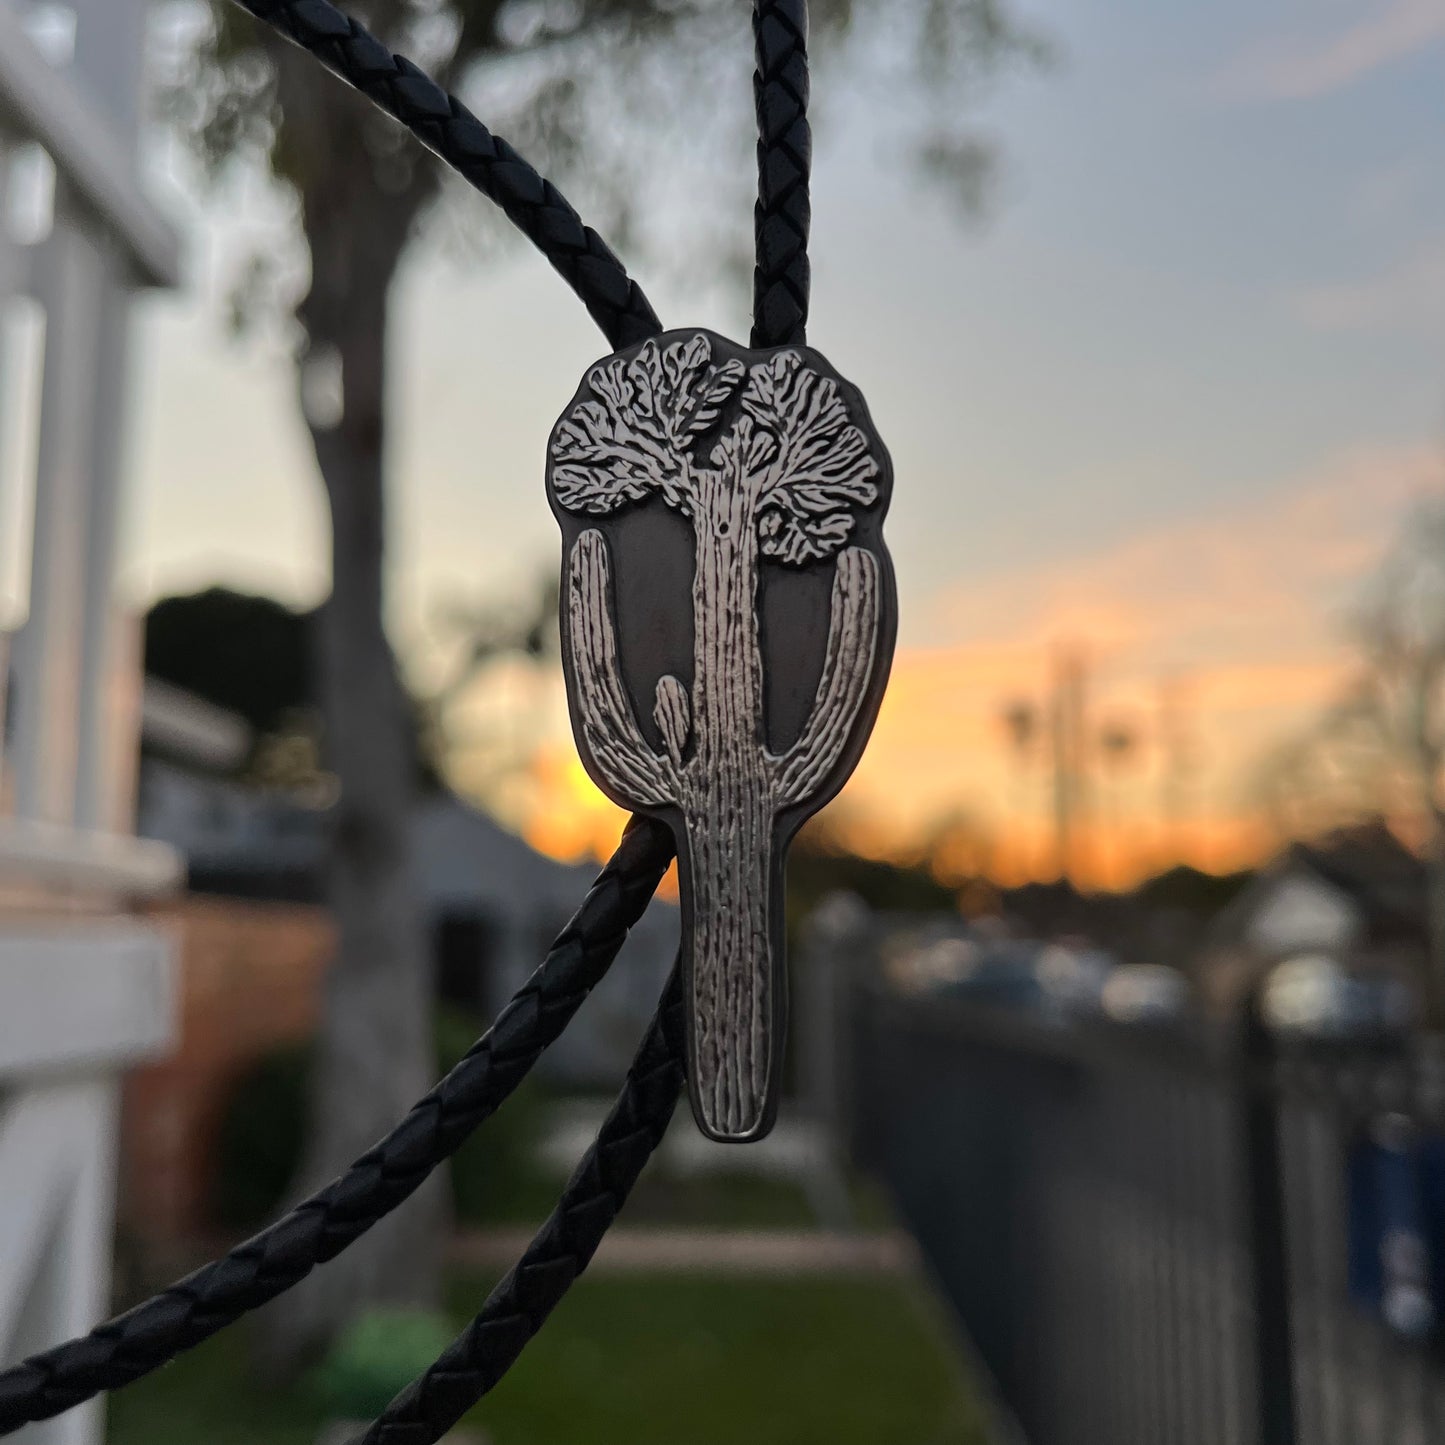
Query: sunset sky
(1163, 407)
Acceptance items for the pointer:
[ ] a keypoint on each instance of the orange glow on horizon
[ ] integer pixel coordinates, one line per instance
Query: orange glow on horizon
(1214, 639)
(569, 818)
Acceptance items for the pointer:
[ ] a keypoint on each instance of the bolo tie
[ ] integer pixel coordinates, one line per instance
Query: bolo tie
(728, 615)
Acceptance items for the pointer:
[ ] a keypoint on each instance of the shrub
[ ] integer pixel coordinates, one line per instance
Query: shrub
(263, 1132)
(375, 1358)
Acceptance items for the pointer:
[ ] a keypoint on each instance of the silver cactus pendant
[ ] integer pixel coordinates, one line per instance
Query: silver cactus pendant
(728, 619)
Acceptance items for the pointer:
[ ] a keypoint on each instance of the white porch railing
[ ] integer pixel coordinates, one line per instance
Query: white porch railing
(84, 988)
(76, 1006)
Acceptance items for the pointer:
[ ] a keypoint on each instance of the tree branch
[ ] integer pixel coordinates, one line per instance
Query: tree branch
(818, 467)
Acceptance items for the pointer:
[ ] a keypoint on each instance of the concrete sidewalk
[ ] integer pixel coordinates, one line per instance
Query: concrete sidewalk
(789, 1252)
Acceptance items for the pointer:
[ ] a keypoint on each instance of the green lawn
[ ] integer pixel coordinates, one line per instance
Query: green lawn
(644, 1360)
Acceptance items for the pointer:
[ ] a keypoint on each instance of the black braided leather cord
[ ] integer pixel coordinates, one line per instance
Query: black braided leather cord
(518, 1307)
(785, 150)
(191, 1310)
(444, 125)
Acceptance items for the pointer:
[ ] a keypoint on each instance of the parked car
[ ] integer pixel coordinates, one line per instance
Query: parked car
(1317, 996)
(1002, 972)
(1073, 978)
(951, 958)
(929, 956)
(1145, 993)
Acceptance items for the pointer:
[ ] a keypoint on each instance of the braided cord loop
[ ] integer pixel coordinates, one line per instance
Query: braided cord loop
(445, 126)
(783, 213)
(519, 1306)
(194, 1308)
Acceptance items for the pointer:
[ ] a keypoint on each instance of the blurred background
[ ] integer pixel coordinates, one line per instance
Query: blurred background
(1115, 1103)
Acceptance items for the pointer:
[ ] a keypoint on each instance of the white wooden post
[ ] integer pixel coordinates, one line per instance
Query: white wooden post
(76, 1006)
(48, 646)
(109, 61)
(71, 1148)
(106, 240)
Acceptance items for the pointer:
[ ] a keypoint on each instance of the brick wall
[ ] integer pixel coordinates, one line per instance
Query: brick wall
(250, 978)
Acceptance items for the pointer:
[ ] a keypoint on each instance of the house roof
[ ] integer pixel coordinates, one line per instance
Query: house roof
(261, 842)
(1383, 880)
(464, 856)
(191, 730)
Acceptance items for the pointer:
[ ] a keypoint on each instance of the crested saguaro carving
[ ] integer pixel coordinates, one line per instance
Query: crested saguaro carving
(771, 458)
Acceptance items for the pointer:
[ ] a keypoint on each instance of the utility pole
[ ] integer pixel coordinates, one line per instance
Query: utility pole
(1022, 721)
(1176, 761)
(1069, 727)
(1118, 743)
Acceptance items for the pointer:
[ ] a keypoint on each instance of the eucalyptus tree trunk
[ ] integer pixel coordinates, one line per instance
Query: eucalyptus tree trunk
(376, 1051)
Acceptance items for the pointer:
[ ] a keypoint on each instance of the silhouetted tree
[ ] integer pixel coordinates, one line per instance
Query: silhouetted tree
(248, 654)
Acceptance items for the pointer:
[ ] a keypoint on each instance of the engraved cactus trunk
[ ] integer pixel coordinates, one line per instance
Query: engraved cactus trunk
(727, 805)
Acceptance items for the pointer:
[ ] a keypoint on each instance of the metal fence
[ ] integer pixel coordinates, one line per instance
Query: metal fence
(1168, 1237)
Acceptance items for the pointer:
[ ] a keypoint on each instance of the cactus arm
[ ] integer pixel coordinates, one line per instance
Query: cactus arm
(847, 668)
(673, 717)
(612, 739)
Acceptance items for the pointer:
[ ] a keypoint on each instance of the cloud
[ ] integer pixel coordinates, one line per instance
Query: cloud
(1391, 195)
(1308, 69)
(1409, 297)
(1203, 583)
